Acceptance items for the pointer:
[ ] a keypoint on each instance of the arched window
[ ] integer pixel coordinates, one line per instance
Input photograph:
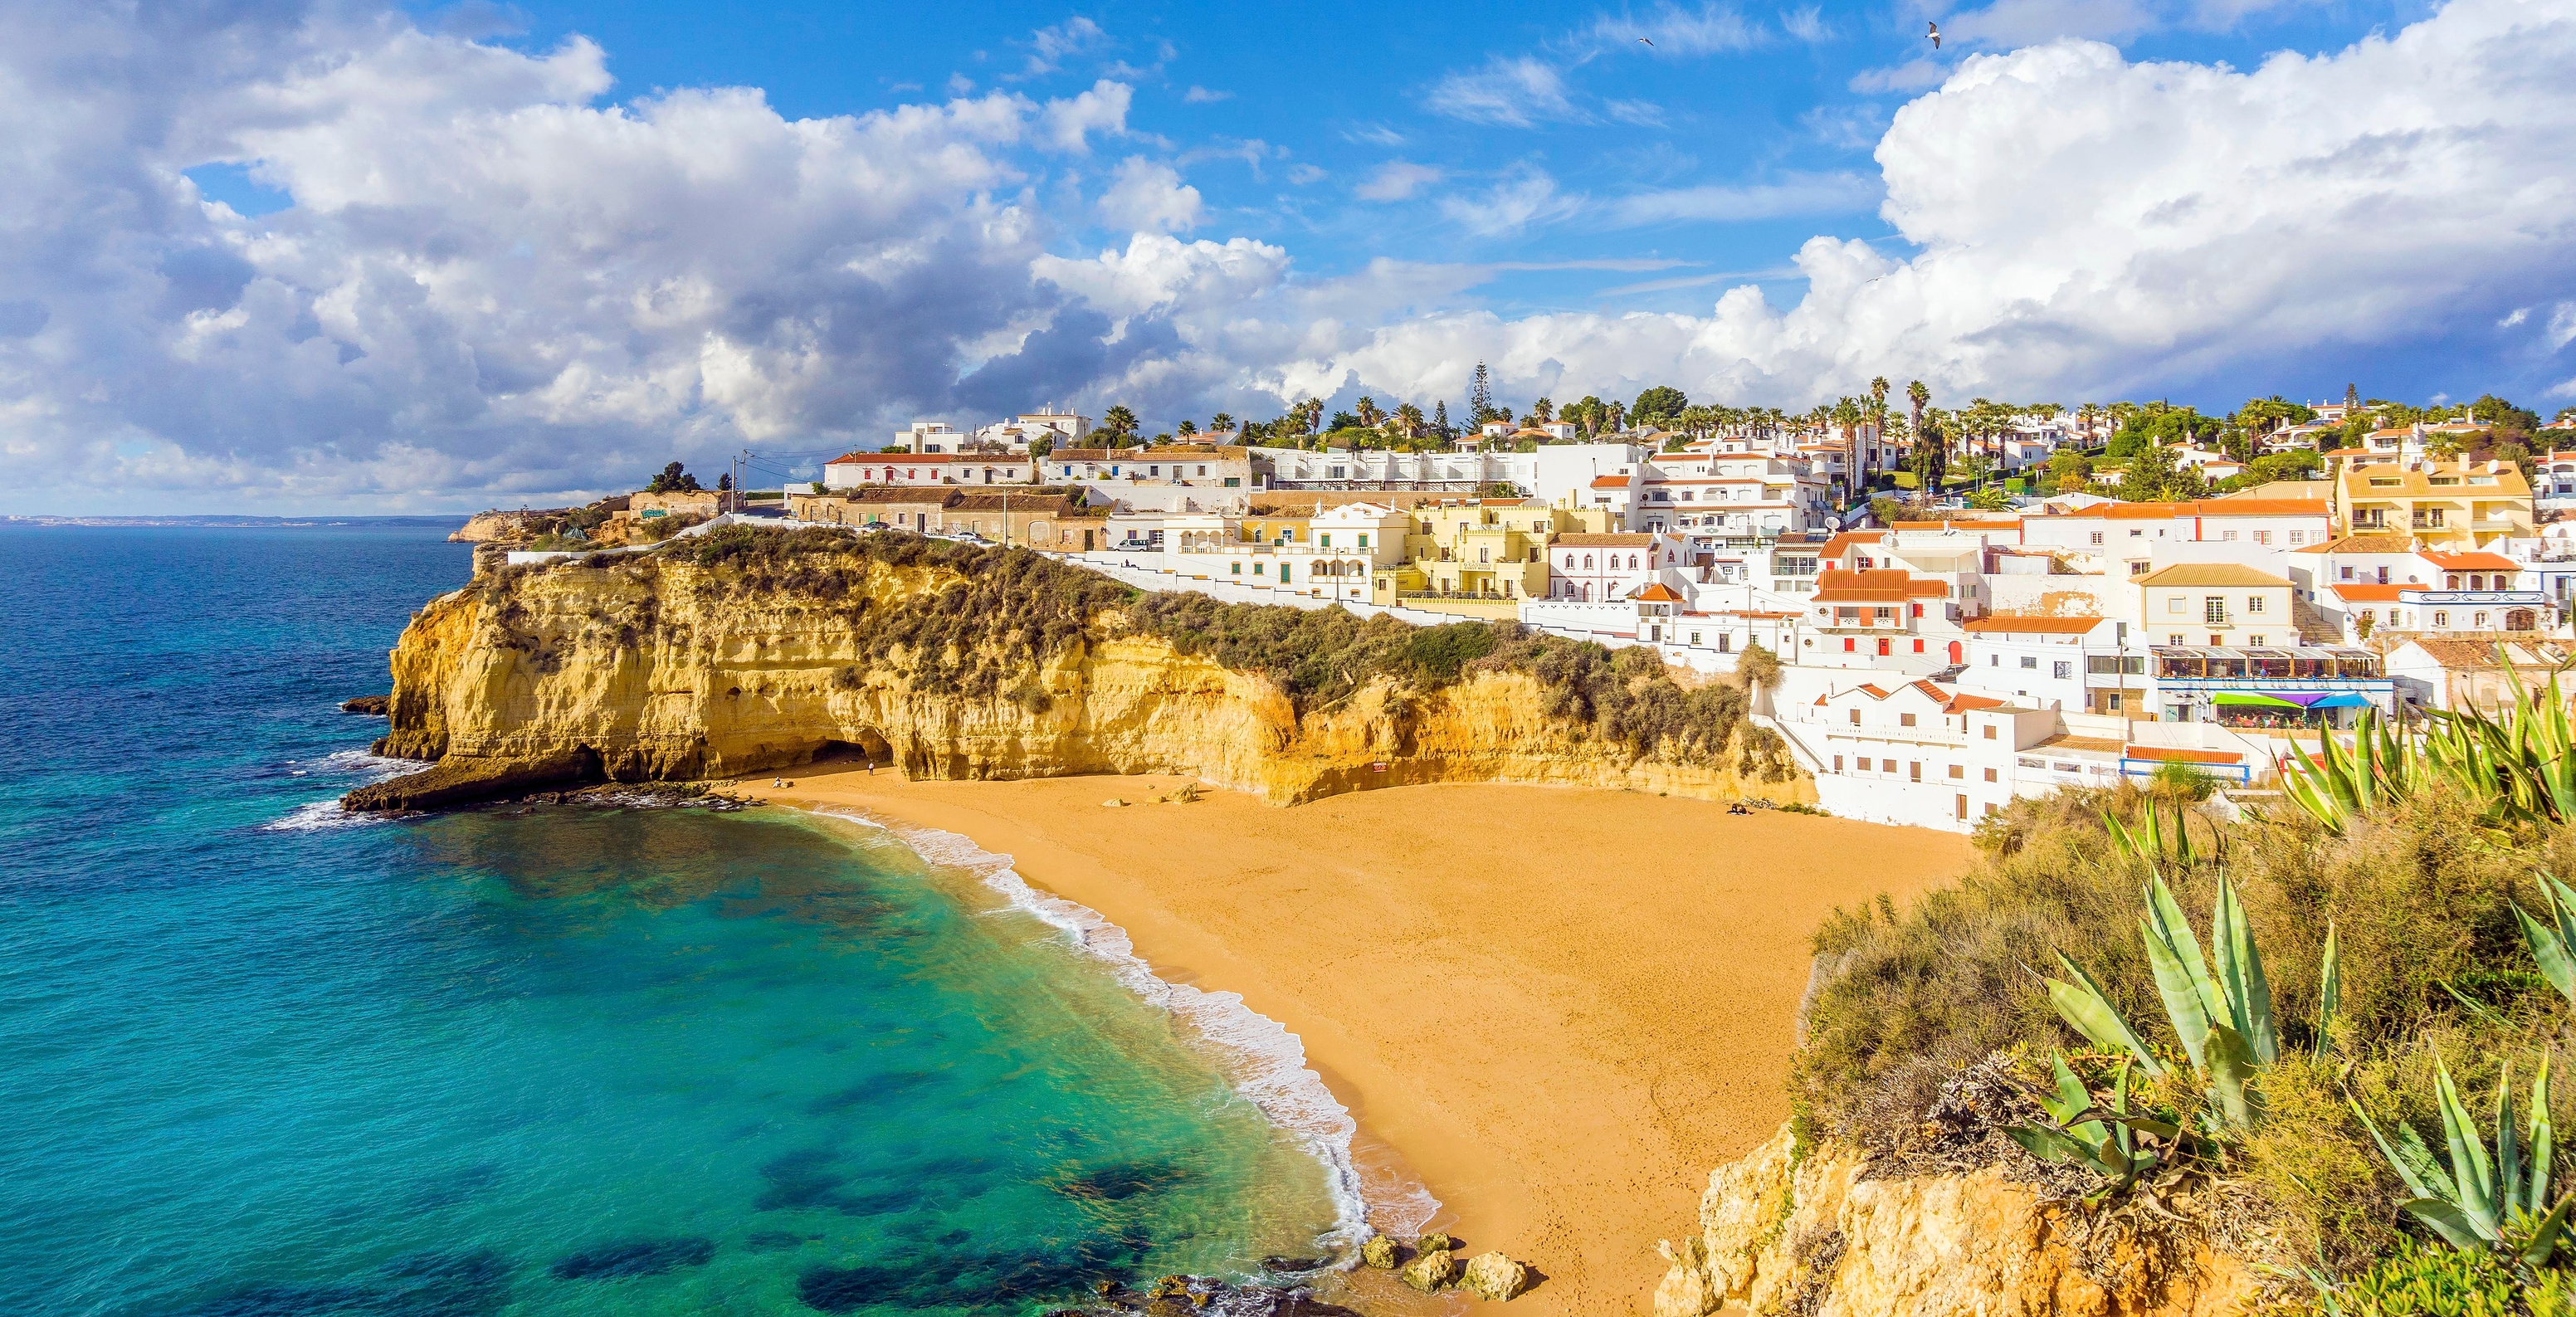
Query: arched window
(1587, 560)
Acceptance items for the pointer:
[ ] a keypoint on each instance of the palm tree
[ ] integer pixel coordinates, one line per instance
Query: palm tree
(1220, 423)
(1119, 422)
(1847, 416)
(1919, 397)
(1878, 406)
(1542, 412)
(1367, 411)
(1408, 420)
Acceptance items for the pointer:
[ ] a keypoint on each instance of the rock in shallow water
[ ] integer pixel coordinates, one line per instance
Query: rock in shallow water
(1494, 1277)
(374, 706)
(1435, 1243)
(1379, 1251)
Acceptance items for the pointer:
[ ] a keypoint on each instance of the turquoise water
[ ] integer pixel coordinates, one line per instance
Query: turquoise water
(258, 1062)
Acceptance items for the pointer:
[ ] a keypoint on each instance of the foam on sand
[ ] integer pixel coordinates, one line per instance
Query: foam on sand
(1264, 1061)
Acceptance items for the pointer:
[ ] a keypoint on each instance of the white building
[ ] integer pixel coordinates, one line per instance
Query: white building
(1911, 752)
(1590, 568)
(858, 470)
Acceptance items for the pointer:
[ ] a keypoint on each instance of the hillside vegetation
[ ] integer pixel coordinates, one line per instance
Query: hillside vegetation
(2405, 945)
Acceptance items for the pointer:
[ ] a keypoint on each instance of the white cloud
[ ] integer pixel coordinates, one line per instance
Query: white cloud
(1050, 47)
(492, 284)
(1197, 95)
(1806, 195)
(1103, 109)
(1913, 75)
(1525, 197)
(2026, 22)
(1807, 24)
(1643, 114)
(1303, 174)
(1374, 134)
(1396, 180)
(1676, 32)
(1845, 127)
(1515, 91)
(1149, 196)
(2089, 225)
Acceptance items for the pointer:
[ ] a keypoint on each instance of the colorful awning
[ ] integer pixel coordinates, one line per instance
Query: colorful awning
(2342, 700)
(2251, 700)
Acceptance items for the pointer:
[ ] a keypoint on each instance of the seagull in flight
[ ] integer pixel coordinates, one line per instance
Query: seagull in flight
(1933, 36)
(1643, 42)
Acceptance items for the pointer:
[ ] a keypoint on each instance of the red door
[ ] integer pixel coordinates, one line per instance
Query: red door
(1955, 655)
(1882, 649)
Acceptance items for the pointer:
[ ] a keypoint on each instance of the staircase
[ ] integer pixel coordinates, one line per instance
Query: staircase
(2313, 627)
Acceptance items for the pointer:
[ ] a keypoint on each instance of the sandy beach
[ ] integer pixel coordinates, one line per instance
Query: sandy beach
(1559, 1008)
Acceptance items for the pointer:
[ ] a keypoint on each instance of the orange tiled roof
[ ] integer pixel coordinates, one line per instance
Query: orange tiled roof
(2473, 562)
(2062, 626)
(2178, 755)
(1882, 585)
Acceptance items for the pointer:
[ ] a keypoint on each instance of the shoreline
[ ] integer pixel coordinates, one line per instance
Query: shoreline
(1560, 1074)
(1263, 1071)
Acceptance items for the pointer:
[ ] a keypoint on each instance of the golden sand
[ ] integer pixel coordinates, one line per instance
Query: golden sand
(1560, 1008)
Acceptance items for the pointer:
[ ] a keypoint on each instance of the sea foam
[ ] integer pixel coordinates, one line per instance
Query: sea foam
(321, 815)
(1265, 1062)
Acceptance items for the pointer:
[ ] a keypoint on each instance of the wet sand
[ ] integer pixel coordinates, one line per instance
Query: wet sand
(1558, 1008)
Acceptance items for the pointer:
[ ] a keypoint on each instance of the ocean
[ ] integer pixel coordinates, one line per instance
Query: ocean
(259, 1060)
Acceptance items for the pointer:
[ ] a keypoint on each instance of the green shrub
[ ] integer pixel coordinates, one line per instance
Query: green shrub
(2424, 1281)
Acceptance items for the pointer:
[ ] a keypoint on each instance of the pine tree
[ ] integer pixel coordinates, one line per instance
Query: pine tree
(1440, 418)
(1480, 397)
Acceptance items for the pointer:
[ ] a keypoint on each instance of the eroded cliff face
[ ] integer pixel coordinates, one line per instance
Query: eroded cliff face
(672, 671)
(1815, 1238)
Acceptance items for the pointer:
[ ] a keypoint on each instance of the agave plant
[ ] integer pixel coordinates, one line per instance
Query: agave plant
(2519, 763)
(2339, 784)
(2122, 1146)
(2495, 1201)
(2150, 841)
(2223, 1018)
(2550, 942)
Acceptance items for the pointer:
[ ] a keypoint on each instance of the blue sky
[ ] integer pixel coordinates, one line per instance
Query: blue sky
(320, 254)
(1256, 97)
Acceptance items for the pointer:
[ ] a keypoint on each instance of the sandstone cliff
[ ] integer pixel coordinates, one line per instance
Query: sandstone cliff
(490, 527)
(1820, 1238)
(666, 666)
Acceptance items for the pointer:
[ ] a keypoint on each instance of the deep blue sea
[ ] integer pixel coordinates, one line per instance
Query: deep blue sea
(259, 1061)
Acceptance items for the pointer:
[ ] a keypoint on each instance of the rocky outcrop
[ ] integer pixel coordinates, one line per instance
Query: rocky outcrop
(488, 527)
(658, 668)
(374, 706)
(1819, 1238)
(1495, 1278)
(1379, 1251)
(464, 779)
(1434, 1269)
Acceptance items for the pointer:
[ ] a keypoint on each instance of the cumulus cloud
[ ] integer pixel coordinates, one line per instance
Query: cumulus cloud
(1148, 195)
(1396, 180)
(1198, 95)
(492, 285)
(2087, 224)
(488, 280)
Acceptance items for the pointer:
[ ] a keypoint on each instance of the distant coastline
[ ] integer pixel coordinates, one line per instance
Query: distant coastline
(214, 522)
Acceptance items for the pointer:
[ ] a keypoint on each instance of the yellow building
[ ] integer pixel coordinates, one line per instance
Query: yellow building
(2441, 504)
(1474, 548)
